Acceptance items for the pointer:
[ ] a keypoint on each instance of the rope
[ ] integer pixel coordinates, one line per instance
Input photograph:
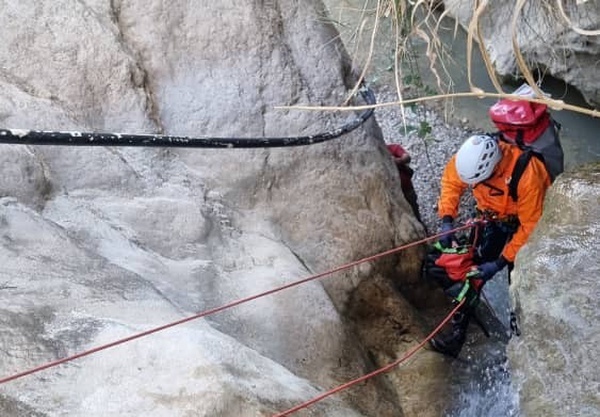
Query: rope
(379, 371)
(226, 306)
(41, 137)
(221, 308)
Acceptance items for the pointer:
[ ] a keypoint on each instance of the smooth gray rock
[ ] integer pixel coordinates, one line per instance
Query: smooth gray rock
(103, 243)
(556, 291)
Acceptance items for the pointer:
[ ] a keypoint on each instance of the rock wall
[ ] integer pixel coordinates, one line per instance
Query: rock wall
(556, 291)
(100, 243)
(546, 39)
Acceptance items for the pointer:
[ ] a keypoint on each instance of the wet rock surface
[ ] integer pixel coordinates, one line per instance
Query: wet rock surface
(555, 291)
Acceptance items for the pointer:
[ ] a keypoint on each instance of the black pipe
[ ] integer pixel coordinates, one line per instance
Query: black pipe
(42, 137)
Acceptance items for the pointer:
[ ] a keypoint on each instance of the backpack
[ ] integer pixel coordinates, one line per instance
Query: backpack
(450, 266)
(529, 126)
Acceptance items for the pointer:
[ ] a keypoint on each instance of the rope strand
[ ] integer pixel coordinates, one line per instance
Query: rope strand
(374, 373)
(223, 307)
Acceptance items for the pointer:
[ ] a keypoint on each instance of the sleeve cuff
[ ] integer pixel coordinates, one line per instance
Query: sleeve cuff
(502, 262)
(447, 219)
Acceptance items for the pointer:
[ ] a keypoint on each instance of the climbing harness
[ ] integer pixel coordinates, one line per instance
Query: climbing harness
(454, 269)
(486, 216)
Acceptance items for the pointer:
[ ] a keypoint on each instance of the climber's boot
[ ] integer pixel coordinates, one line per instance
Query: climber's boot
(452, 342)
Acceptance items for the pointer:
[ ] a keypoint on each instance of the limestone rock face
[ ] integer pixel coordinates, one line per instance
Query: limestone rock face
(556, 292)
(97, 244)
(563, 47)
(23, 175)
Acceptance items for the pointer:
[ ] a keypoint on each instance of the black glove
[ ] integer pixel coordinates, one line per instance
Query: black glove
(447, 239)
(489, 269)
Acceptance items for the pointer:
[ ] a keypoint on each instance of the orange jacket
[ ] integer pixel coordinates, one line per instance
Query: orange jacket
(528, 208)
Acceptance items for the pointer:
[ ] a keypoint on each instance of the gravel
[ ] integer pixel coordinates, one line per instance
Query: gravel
(431, 141)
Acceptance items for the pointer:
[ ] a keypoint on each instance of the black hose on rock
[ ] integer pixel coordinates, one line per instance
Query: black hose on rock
(42, 137)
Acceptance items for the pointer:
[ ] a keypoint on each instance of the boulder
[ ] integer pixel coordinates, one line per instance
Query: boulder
(555, 291)
(132, 238)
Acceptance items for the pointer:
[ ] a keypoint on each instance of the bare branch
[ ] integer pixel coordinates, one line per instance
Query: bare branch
(563, 15)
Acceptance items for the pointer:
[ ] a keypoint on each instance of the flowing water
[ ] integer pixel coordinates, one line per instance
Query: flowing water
(484, 379)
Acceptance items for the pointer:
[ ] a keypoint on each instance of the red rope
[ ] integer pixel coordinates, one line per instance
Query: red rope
(224, 307)
(374, 373)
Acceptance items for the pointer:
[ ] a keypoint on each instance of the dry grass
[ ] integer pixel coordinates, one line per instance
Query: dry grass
(422, 19)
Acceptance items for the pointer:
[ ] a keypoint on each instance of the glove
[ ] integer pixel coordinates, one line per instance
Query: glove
(447, 225)
(489, 269)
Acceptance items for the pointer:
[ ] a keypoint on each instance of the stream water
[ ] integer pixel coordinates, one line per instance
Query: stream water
(355, 21)
(484, 381)
(579, 133)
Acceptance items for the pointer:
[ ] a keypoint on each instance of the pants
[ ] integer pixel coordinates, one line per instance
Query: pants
(406, 173)
(489, 240)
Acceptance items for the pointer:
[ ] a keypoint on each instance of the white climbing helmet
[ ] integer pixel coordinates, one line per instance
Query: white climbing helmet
(477, 158)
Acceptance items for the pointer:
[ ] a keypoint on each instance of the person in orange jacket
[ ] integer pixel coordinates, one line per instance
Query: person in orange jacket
(486, 166)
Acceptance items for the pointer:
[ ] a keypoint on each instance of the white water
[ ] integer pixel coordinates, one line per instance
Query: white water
(487, 390)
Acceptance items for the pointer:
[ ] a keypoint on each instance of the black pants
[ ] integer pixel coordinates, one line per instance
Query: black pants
(411, 196)
(489, 240)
